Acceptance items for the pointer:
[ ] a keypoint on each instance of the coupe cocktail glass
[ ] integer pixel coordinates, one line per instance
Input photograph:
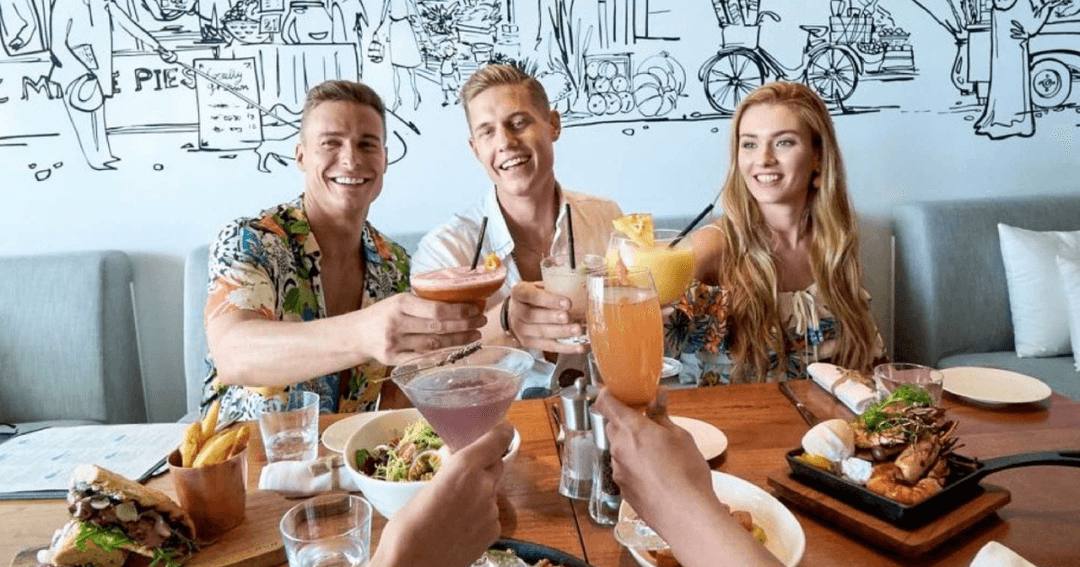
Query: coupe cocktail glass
(464, 399)
(626, 333)
(672, 267)
(459, 285)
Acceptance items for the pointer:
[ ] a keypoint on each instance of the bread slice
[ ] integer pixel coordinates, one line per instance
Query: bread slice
(95, 480)
(65, 553)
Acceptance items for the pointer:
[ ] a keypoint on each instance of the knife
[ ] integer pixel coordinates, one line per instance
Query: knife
(804, 411)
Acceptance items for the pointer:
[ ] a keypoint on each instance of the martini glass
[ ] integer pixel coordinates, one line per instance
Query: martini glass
(467, 397)
(626, 332)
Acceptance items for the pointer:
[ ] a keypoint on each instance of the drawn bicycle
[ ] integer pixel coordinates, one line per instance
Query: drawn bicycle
(830, 68)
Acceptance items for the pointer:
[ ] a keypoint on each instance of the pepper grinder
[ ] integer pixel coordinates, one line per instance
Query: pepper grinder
(577, 448)
(606, 496)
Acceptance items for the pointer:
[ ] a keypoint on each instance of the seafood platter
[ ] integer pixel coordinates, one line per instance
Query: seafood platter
(897, 461)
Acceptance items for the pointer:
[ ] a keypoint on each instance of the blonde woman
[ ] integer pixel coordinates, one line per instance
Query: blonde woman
(779, 270)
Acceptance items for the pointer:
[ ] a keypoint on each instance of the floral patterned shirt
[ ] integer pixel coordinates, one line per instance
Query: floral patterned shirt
(270, 264)
(696, 334)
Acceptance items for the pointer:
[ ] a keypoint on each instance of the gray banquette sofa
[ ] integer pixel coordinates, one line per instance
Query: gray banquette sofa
(951, 302)
(68, 347)
(195, 280)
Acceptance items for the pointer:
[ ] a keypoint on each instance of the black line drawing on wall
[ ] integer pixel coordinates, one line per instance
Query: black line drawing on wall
(1017, 57)
(81, 53)
(601, 62)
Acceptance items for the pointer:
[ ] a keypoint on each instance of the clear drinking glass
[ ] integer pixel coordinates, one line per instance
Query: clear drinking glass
(890, 376)
(465, 398)
(333, 530)
(290, 426)
(560, 278)
(672, 268)
(626, 332)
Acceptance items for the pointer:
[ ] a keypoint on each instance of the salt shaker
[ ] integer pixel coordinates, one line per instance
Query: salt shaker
(577, 449)
(606, 496)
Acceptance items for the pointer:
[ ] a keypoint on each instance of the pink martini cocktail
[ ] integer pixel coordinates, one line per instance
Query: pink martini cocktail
(464, 399)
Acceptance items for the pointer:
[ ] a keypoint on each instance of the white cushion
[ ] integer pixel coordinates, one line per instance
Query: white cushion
(1069, 269)
(1036, 296)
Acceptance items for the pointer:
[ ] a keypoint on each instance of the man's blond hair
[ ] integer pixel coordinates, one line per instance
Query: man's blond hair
(499, 74)
(346, 91)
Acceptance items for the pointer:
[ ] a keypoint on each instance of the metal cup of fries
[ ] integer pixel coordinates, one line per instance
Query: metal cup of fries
(209, 472)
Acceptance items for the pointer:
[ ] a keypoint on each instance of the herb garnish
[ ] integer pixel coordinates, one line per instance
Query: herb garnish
(164, 558)
(109, 539)
(877, 418)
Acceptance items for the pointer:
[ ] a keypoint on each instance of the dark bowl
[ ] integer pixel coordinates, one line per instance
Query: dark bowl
(533, 552)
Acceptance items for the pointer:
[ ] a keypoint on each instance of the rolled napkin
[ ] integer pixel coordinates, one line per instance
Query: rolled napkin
(304, 478)
(843, 384)
(994, 554)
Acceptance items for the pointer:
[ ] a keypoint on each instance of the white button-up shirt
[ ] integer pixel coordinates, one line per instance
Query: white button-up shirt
(454, 243)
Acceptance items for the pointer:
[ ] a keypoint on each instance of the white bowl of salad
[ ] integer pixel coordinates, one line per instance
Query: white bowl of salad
(395, 455)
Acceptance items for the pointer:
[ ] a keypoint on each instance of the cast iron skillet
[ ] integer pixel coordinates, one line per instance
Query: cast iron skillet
(533, 552)
(961, 486)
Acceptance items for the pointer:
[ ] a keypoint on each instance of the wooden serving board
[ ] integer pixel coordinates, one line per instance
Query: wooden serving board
(254, 543)
(905, 542)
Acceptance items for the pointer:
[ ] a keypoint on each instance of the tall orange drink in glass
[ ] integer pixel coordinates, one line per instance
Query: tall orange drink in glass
(626, 333)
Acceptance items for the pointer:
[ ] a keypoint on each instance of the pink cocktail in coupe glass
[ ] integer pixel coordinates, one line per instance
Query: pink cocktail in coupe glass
(464, 399)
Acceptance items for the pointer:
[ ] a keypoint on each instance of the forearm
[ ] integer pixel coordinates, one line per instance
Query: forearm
(259, 352)
(714, 533)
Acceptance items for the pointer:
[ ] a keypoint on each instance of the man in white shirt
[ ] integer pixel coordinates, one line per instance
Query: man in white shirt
(512, 131)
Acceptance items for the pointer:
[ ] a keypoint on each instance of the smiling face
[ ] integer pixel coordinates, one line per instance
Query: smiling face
(342, 152)
(514, 140)
(777, 158)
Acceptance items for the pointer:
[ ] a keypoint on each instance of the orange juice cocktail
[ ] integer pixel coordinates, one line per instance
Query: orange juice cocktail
(626, 333)
(672, 268)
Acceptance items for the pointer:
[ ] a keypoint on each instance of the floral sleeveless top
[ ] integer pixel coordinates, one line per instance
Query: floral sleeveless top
(270, 264)
(696, 335)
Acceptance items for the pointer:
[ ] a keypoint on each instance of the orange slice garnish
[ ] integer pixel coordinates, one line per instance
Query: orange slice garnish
(492, 262)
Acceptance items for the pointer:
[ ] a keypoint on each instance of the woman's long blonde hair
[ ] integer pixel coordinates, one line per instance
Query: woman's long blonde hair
(747, 266)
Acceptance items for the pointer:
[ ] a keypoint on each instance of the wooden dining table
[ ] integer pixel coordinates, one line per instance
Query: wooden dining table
(1041, 522)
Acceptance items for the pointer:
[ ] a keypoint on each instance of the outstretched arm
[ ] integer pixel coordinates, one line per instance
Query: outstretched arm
(251, 350)
(663, 476)
(135, 30)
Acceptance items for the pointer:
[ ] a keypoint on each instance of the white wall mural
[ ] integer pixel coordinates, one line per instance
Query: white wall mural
(230, 75)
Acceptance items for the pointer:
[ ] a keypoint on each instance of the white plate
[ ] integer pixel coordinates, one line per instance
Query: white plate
(994, 386)
(335, 436)
(709, 439)
(786, 539)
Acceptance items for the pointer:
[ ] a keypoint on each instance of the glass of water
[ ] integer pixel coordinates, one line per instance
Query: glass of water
(890, 376)
(290, 426)
(333, 530)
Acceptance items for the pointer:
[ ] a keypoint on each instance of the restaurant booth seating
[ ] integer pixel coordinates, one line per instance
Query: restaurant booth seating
(952, 301)
(69, 349)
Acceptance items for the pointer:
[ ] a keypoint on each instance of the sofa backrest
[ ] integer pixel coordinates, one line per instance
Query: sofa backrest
(951, 294)
(68, 343)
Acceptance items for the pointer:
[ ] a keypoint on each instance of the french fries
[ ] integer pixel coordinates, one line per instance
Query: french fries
(209, 421)
(201, 446)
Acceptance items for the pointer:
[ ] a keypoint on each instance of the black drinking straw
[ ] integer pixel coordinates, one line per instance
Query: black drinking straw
(691, 226)
(570, 231)
(479, 243)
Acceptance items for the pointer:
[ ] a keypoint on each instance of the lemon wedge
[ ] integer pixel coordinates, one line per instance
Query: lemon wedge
(815, 461)
(638, 227)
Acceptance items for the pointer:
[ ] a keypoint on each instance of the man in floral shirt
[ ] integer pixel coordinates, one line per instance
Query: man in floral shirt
(308, 294)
